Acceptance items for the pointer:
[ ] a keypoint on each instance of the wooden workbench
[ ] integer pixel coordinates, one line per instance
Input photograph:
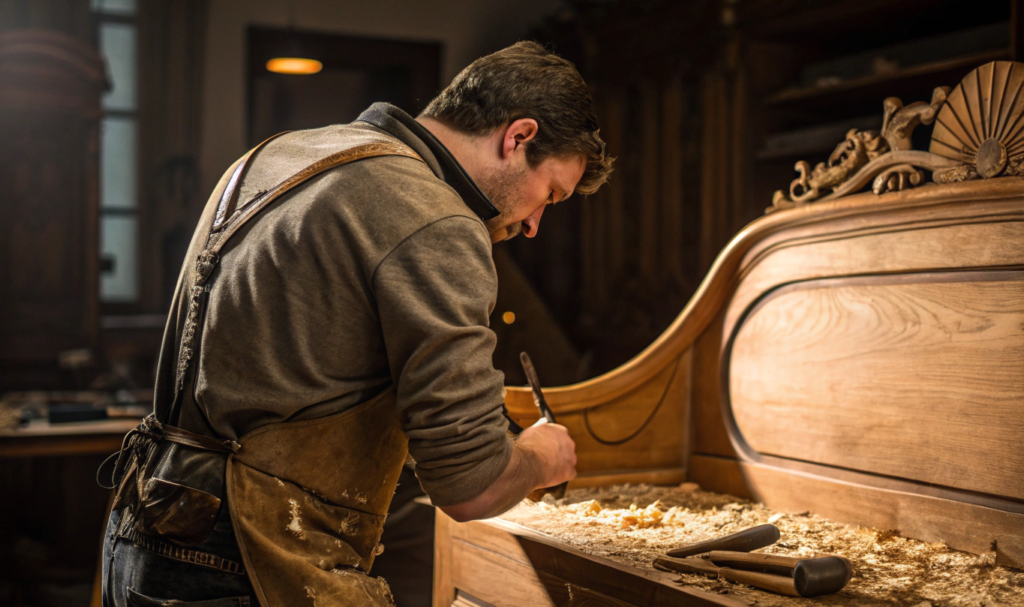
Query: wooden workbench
(41, 438)
(514, 566)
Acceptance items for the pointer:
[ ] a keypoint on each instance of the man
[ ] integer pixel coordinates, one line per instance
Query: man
(331, 316)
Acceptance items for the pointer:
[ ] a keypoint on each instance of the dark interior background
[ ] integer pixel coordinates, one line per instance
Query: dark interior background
(706, 103)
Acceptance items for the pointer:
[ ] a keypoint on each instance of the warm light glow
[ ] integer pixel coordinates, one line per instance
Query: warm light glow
(508, 317)
(294, 65)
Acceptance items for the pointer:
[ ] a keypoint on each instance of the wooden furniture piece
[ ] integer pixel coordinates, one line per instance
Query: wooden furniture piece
(859, 356)
(49, 252)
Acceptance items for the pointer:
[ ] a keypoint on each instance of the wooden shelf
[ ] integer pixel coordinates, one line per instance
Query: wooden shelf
(819, 139)
(875, 88)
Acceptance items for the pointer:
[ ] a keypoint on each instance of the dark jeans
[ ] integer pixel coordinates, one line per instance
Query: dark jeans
(136, 576)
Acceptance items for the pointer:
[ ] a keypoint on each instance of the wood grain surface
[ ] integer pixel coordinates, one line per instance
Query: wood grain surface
(882, 250)
(913, 377)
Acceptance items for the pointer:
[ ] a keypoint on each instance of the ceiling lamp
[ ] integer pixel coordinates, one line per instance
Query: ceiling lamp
(294, 65)
(292, 57)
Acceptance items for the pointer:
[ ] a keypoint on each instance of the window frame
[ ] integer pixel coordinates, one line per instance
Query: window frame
(137, 305)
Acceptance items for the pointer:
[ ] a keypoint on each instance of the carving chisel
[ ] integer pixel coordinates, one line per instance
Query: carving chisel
(764, 581)
(542, 405)
(743, 541)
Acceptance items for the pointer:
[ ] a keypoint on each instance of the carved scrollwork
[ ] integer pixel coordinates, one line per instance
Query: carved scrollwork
(897, 178)
(858, 149)
(979, 133)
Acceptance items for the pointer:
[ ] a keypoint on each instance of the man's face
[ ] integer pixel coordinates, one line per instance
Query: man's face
(522, 192)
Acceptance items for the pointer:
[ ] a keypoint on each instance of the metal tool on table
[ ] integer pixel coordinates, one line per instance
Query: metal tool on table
(542, 405)
(729, 558)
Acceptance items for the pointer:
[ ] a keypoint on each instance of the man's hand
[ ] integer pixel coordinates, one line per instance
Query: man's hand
(553, 450)
(544, 456)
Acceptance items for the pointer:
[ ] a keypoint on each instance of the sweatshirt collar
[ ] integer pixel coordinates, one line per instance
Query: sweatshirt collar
(403, 126)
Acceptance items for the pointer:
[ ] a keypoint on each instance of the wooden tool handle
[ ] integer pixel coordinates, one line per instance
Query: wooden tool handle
(558, 492)
(743, 541)
(765, 581)
(755, 561)
(538, 396)
(690, 565)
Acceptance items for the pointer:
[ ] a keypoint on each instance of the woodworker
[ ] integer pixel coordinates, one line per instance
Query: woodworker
(331, 317)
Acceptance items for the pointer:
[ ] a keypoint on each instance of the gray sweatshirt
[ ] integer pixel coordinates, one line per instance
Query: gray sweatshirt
(373, 273)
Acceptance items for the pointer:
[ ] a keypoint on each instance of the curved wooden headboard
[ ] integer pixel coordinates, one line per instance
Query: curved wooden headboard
(861, 357)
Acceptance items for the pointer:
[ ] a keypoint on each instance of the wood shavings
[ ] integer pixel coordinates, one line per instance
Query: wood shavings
(632, 524)
(652, 515)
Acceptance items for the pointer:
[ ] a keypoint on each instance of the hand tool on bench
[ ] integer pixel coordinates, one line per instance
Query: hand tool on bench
(764, 581)
(811, 576)
(542, 404)
(806, 578)
(742, 541)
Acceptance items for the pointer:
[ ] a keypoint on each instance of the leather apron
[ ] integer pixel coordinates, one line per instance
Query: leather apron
(307, 499)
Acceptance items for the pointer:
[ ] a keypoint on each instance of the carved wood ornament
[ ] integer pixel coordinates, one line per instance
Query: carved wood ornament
(979, 134)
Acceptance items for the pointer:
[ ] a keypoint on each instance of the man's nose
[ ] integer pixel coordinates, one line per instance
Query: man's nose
(532, 223)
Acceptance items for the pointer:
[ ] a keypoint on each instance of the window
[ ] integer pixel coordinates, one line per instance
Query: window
(119, 221)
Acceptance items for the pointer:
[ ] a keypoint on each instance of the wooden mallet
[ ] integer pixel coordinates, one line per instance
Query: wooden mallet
(781, 574)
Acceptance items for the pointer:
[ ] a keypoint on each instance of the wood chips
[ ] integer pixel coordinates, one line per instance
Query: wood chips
(632, 524)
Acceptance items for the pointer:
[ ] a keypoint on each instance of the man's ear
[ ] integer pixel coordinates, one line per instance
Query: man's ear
(516, 134)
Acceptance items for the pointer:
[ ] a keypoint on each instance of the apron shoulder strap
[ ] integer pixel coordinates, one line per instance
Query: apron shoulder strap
(230, 217)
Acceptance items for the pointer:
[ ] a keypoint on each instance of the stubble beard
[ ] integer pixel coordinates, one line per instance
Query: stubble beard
(503, 188)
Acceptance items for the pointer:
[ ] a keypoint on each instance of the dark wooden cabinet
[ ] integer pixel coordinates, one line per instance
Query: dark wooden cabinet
(49, 199)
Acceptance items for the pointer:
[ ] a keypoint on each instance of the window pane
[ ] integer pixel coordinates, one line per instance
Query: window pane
(119, 165)
(119, 237)
(117, 43)
(114, 7)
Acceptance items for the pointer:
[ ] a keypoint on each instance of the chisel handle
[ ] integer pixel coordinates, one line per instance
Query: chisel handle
(558, 492)
(743, 541)
(765, 581)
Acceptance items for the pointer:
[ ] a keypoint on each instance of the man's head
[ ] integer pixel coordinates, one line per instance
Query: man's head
(520, 121)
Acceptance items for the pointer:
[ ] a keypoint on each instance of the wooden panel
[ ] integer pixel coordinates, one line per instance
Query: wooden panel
(476, 571)
(709, 433)
(918, 377)
(887, 249)
(654, 476)
(655, 415)
(962, 526)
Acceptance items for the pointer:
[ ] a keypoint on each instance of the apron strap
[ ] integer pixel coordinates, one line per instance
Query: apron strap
(230, 219)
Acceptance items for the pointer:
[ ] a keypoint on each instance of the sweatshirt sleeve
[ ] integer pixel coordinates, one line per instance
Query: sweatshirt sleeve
(435, 292)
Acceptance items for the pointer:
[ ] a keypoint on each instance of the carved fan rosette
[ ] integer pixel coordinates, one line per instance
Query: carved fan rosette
(979, 133)
(981, 126)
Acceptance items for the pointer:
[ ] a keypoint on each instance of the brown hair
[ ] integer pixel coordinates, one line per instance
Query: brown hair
(527, 81)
